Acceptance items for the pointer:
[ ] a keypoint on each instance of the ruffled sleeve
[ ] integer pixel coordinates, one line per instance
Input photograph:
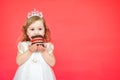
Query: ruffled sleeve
(20, 48)
(50, 48)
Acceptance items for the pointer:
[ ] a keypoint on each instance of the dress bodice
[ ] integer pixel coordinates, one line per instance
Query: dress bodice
(35, 68)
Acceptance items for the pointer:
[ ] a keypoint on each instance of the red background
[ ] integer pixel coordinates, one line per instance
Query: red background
(86, 35)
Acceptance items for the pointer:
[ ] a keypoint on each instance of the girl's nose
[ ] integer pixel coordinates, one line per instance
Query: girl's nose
(36, 32)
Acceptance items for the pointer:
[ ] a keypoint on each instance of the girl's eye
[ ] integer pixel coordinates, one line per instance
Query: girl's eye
(40, 28)
(32, 29)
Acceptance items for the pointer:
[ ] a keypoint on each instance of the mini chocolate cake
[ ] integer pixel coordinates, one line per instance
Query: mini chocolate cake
(38, 39)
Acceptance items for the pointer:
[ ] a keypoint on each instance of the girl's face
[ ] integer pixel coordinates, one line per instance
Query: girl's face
(36, 28)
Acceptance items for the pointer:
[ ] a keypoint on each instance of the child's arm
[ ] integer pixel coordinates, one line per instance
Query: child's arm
(47, 53)
(21, 58)
(23, 55)
(49, 58)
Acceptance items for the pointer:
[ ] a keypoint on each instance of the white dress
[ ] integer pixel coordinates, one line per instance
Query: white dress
(35, 68)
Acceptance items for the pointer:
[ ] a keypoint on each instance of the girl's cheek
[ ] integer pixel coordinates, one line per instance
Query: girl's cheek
(30, 34)
(42, 33)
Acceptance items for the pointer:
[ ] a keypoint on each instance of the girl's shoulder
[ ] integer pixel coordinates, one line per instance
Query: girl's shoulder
(23, 46)
(49, 47)
(49, 43)
(24, 43)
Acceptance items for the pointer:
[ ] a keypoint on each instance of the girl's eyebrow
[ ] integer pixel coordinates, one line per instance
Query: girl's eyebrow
(31, 27)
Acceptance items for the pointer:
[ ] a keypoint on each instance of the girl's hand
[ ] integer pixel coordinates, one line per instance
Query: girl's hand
(33, 47)
(41, 48)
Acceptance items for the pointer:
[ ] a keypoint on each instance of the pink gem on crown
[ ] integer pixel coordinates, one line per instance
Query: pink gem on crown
(35, 13)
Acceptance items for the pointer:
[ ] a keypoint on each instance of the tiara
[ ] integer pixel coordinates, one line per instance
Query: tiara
(35, 13)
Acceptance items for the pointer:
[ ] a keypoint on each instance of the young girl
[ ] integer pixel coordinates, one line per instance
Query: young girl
(35, 60)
